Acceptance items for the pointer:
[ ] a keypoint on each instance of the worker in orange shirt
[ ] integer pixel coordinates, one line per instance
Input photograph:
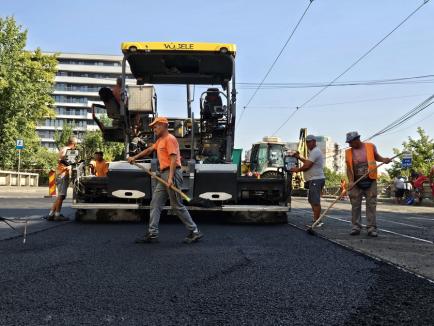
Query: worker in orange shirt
(169, 157)
(99, 166)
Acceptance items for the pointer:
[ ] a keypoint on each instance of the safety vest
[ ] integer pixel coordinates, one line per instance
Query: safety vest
(370, 156)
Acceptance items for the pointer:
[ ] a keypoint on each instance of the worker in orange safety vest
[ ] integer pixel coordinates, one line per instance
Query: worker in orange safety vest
(361, 158)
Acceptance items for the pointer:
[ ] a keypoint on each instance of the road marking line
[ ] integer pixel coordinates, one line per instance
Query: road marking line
(405, 224)
(387, 231)
(383, 230)
(368, 254)
(419, 218)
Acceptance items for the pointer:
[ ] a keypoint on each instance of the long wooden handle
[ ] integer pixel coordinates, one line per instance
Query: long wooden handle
(344, 191)
(164, 182)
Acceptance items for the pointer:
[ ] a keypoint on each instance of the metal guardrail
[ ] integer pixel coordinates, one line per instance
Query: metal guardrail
(19, 179)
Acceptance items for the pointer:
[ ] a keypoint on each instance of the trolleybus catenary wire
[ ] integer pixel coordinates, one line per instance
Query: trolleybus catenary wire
(275, 60)
(364, 55)
(422, 79)
(397, 122)
(378, 99)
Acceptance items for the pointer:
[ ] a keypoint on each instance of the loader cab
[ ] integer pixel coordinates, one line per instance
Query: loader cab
(267, 157)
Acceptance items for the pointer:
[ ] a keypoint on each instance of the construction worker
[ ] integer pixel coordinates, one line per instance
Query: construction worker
(313, 169)
(169, 157)
(99, 166)
(63, 172)
(117, 90)
(361, 158)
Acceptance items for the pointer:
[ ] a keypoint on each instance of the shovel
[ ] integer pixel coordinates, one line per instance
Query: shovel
(198, 202)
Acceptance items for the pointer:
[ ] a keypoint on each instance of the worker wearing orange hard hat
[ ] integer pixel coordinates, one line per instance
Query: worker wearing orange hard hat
(169, 157)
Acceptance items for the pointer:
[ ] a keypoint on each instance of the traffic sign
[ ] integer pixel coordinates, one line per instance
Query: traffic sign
(406, 161)
(20, 144)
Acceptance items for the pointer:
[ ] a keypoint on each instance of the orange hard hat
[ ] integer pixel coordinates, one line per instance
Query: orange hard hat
(159, 120)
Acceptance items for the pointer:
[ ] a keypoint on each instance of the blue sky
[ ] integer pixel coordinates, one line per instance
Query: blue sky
(333, 34)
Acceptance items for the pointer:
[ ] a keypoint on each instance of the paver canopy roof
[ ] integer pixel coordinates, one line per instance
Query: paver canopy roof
(180, 63)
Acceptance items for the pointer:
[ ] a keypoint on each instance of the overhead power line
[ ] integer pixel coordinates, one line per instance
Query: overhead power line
(364, 55)
(275, 60)
(404, 118)
(399, 121)
(286, 107)
(390, 81)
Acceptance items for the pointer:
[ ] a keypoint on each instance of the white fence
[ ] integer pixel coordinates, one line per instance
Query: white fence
(11, 178)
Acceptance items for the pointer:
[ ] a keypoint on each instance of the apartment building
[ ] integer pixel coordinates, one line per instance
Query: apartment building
(78, 80)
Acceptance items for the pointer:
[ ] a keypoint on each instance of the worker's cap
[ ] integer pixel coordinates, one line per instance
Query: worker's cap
(162, 120)
(99, 152)
(352, 135)
(310, 137)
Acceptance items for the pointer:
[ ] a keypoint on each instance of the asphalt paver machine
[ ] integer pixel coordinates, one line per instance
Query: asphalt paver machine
(209, 167)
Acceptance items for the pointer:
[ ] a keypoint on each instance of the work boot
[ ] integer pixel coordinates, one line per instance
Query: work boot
(355, 232)
(372, 233)
(49, 217)
(60, 218)
(148, 238)
(193, 236)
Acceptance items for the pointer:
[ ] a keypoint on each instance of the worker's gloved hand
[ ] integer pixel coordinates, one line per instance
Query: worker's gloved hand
(387, 160)
(131, 160)
(293, 170)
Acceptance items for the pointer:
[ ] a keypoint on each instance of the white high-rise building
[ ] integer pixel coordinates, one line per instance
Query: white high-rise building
(334, 156)
(78, 80)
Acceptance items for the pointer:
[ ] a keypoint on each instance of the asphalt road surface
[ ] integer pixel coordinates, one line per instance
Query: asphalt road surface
(93, 274)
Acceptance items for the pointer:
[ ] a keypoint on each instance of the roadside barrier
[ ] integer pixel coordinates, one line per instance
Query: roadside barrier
(52, 183)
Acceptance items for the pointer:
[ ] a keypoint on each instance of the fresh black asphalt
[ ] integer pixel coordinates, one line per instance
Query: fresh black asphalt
(93, 274)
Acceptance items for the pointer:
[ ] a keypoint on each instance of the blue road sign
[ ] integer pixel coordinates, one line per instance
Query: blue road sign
(20, 144)
(406, 161)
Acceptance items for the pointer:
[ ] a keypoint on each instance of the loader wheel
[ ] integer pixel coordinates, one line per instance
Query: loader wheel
(258, 218)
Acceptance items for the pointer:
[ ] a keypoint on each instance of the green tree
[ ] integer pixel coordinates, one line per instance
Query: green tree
(26, 83)
(93, 141)
(422, 149)
(61, 137)
(333, 179)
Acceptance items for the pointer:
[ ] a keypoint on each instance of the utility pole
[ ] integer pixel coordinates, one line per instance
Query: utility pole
(19, 146)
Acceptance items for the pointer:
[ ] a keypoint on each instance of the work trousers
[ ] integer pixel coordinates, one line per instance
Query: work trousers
(356, 195)
(159, 199)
